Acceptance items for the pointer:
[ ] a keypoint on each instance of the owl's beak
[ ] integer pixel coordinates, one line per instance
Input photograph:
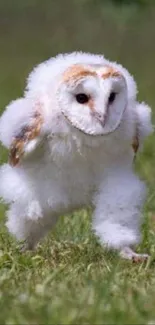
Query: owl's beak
(101, 118)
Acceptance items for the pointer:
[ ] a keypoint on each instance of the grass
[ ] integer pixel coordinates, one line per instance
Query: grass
(70, 278)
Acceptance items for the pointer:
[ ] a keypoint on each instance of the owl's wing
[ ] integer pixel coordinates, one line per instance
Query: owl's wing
(20, 128)
(26, 140)
(143, 126)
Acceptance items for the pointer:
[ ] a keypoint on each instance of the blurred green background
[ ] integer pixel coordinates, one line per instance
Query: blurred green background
(34, 30)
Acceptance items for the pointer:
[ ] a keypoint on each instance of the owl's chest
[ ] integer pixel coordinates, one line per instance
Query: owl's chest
(78, 179)
(70, 172)
(80, 164)
(79, 171)
(73, 180)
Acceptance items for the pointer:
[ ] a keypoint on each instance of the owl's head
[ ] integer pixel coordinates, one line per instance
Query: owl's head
(90, 92)
(79, 90)
(92, 98)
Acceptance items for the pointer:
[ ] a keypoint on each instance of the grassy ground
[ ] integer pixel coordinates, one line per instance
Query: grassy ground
(71, 279)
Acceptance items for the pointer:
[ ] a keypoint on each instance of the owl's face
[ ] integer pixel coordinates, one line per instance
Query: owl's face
(93, 98)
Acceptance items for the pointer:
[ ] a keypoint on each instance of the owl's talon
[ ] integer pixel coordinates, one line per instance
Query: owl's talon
(128, 253)
(138, 258)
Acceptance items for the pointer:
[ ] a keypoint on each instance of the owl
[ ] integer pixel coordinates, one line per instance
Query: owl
(72, 139)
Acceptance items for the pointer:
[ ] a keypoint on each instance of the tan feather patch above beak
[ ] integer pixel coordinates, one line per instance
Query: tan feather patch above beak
(76, 72)
(108, 71)
(27, 133)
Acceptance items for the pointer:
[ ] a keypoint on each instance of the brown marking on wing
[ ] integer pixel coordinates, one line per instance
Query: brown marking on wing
(76, 72)
(108, 71)
(27, 133)
(135, 144)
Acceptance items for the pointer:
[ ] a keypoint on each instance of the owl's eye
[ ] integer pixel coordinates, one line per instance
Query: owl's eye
(82, 98)
(111, 97)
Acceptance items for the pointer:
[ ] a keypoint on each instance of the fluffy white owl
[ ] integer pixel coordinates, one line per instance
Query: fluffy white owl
(72, 139)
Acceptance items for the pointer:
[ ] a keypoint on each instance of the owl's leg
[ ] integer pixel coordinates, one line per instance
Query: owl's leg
(117, 216)
(27, 230)
(35, 235)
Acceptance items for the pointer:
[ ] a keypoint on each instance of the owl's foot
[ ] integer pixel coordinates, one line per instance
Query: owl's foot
(27, 246)
(129, 254)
